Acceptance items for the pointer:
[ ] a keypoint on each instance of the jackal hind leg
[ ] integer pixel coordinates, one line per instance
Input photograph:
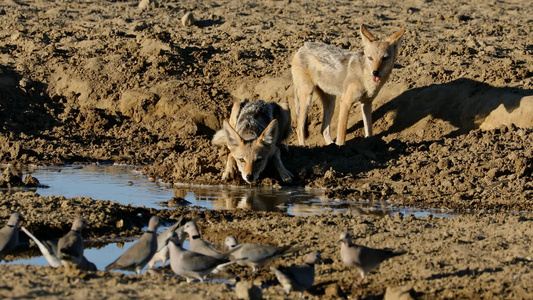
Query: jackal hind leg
(328, 105)
(303, 93)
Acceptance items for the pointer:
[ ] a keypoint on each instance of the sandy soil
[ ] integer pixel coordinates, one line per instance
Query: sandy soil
(91, 81)
(477, 255)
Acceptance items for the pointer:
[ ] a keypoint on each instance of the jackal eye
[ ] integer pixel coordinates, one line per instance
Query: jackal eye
(370, 58)
(241, 160)
(258, 159)
(385, 57)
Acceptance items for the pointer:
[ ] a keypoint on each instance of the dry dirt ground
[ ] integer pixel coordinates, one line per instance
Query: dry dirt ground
(92, 81)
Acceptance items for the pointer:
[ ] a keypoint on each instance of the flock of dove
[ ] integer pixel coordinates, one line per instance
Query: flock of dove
(202, 260)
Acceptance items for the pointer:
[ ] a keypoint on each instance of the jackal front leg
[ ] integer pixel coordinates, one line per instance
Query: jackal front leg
(366, 110)
(350, 95)
(285, 175)
(230, 168)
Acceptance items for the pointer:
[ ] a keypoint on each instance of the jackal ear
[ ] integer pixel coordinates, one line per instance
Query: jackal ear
(268, 137)
(233, 138)
(366, 35)
(396, 37)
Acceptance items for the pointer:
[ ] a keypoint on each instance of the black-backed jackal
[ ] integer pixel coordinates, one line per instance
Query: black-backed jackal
(252, 135)
(353, 76)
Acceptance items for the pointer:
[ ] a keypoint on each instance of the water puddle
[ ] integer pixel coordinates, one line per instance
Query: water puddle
(100, 253)
(123, 184)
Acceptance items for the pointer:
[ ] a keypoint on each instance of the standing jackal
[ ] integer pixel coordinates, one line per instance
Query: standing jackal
(253, 134)
(353, 76)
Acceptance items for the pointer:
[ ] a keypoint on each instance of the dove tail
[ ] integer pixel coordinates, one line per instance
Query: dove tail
(398, 253)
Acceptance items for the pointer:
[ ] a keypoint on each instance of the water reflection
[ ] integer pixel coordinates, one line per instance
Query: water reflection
(258, 198)
(123, 184)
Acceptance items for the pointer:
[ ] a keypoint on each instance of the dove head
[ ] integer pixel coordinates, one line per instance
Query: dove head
(154, 222)
(79, 224)
(182, 235)
(15, 219)
(175, 239)
(345, 237)
(313, 258)
(230, 241)
(191, 229)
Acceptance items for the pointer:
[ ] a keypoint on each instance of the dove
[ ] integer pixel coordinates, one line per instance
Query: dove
(161, 255)
(70, 246)
(9, 234)
(256, 254)
(298, 278)
(49, 251)
(193, 265)
(363, 259)
(138, 255)
(198, 245)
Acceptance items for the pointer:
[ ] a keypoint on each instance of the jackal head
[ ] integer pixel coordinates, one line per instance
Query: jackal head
(380, 55)
(251, 156)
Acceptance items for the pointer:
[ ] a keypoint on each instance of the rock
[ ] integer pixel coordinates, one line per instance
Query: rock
(10, 178)
(334, 291)
(248, 291)
(188, 19)
(493, 173)
(175, 202)
(31, 181)
(144, 4)
(399, 293)
(444, 163)
(120, 223)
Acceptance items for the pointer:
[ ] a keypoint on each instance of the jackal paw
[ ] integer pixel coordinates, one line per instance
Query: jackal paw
(283, 147)
(286, 176)
(226, 176)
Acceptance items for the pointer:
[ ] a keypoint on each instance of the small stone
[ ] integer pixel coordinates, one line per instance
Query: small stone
(334, 291)
(188, 19)
(493, 173)
(30, 181)
(399, 293)
(15, 36)
(144, 4)
(24, 83)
